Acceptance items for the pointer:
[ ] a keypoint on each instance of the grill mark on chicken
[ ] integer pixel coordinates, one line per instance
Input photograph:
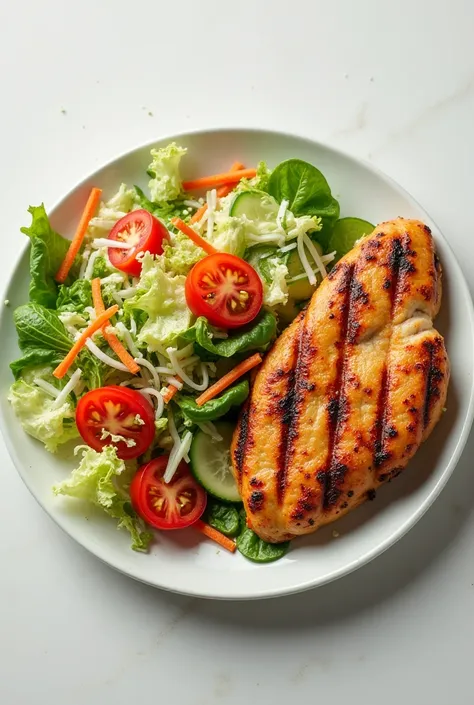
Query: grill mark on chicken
(400, 266)
(337, 410)
(288, 408)
(433, 378)
(239, 452)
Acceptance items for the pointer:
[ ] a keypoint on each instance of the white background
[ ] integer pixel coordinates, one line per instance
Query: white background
(392, 82)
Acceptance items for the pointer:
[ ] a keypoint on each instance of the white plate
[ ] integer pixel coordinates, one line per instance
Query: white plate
(182, 561)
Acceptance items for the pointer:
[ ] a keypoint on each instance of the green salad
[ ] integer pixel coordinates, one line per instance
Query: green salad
(139, 334)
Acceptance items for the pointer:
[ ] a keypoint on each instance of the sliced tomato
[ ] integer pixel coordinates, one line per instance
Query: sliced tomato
(116, 411)
(175, 505)
(140, 229)
(225, 289)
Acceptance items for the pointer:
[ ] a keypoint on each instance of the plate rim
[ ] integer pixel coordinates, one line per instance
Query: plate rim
(410, 522)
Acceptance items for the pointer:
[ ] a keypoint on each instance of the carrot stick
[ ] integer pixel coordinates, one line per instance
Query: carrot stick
(229, 379)
(228, 177)
(221, 192)
(123, 354)
(63, 366)
(215, 535)
(193, 235)
(169, 392)
(76, 242)
(225, 190)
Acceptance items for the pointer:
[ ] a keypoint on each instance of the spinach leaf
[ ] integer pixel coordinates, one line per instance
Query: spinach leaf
(257, 550)
(259, 257)
(48, 250)
(345, 234)
(254, 548)
(305, 188)
(215, 408)
(223, 517)
(256, 336)
(75, 298)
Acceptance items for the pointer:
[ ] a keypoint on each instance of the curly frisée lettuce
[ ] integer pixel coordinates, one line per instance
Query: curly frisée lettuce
(101, 479)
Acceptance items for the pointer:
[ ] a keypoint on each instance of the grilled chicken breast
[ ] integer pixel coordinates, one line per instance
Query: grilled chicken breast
(349, 390)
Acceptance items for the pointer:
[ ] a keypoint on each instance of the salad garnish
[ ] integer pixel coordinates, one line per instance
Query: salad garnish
(139, 334)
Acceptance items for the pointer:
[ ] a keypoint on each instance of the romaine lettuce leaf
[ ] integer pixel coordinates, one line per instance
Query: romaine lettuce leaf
(39, 417)
(161, 296)
(165, 184)
(99, 479)
(48, 250)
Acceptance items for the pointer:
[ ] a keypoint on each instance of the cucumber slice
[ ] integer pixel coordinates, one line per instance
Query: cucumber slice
(255, 205)
(211, 463)
(301, 289)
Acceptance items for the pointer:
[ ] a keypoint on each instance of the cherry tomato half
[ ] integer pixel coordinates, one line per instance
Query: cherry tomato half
(175, 505)
(225, 289)
(140, 229)
(116, 411)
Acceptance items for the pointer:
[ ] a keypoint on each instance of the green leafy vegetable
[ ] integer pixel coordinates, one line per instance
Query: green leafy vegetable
(98, 480)
(38, 327)
(305, 188)
(161, 296)
(165, 211)
(94, 371)
(39, 416)
(165, 184)
(76, 297)
(345, 234)
(215, 408)
(223, 517)
(35, 357)
(256, 336)
(48, 250)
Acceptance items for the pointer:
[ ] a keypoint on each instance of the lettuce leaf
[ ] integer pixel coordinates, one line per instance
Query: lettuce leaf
(76, 297)
(214, 409)
(161, 296)
(257, 335)
(165, 184)
(101, 479)
(40, 418)
(48, 250)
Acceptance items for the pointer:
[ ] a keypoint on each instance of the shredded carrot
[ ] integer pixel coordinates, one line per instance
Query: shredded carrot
(123, 354)
(215, 535)
(76, 242)
(96, 325)
(199, 213)
(221, 192)
(169, 391)
(193, 235)
(229, 379)
(228, 177)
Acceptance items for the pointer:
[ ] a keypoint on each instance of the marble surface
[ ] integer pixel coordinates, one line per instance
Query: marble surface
(390, 82)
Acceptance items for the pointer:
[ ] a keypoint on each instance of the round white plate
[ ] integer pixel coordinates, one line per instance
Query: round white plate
(182, 561)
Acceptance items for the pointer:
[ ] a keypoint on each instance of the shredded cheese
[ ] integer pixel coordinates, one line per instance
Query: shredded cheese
(90, 264)
(304, 260)
(107, 242)
(85, 258)
(177, 456)
(211, 200)
(127, 293)
(179, 368)
(160, 404)
(315, 255)
(106, 359)
(281, 212)
(174, 382)
(287, 248)
(209, 428)
(68, 388)
(124, 332)
(46, 387)
(192, 204)
(144, 363)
